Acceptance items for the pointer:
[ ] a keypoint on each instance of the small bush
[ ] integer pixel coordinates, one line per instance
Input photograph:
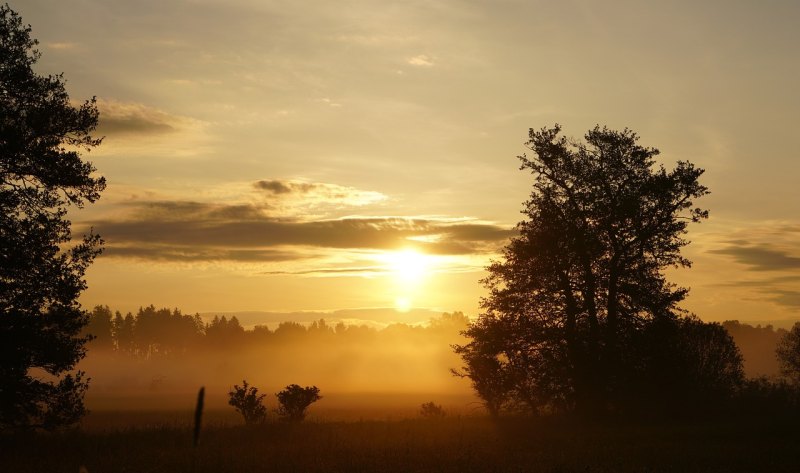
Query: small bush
(429, 410)
(246, 400)
(294, 400)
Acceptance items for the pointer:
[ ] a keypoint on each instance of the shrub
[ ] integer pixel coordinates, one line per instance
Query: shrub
(246, 400)
(294, 400)
(429, 410)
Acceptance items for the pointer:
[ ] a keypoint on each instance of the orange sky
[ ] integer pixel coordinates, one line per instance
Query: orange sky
(284, 156)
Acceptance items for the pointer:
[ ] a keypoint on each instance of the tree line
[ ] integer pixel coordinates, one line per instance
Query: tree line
(163, 332)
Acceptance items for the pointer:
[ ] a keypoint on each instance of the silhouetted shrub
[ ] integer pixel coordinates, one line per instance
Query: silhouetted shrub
(294, 400)
(429, 410)
(764, 396)
(246, 400)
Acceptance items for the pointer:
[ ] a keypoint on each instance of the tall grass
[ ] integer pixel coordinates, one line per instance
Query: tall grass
(441, 445)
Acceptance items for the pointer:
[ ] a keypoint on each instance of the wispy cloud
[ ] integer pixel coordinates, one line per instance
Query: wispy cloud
(760, 257)
(422, 60)
(769, 253)
(61, 46)
(126, 118)
(316, 193)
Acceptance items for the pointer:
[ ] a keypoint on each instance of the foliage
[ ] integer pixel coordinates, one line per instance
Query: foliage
(570, 301)
(687, 366)
(430, 410)
(788, 353)
(41, 269)
(294, 400)
(247, 402)
(773, 397)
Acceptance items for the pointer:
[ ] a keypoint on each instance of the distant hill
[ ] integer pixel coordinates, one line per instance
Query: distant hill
(757, 342)
(776, 324)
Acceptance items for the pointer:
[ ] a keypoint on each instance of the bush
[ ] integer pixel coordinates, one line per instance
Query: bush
(294, 400)
(246, 400)
(429, 410)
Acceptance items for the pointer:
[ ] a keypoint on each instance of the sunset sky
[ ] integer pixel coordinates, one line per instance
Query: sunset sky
(323, 155)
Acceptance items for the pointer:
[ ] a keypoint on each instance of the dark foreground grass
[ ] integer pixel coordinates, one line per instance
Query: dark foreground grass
(446, 445)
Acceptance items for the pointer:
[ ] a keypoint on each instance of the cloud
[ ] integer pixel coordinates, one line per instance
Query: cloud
(124, 118)
(198, 231)
(786, 298)
(316, 193)
(188, 254)
(355, 272)
(768, 252)
(422, 60)
(215, 227)
(61, 46)
(760, 257)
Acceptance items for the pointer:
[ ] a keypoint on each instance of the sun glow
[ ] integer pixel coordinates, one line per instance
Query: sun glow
(402, 304)
(408, 265)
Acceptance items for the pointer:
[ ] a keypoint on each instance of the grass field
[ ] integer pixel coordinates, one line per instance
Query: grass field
(465, 444)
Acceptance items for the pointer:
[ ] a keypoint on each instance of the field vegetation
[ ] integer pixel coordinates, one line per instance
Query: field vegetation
(450, 444)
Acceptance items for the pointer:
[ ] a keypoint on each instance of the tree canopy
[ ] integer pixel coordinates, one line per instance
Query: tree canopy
(42, 135)
(571, 300)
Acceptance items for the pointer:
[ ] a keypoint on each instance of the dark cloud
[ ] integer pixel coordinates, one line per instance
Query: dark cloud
(772, 286)
(760, 257)
(192, 231)
(274, 186)
(786, 298)
(317, 192)
(192, 254)
(132, 125)
(119, 118)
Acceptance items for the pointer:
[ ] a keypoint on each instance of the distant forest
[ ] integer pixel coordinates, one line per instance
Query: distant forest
(164, 332)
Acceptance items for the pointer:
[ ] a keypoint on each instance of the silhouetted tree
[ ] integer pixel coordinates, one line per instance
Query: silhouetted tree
(41, 270)
(123, 330)
(294, 400)
(575, 289)
(247, 402)
(685, 366)
(100, 327)
(788, 353)
(431, 410)
(486, 364)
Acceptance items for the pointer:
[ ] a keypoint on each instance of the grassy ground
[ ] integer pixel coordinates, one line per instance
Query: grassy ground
(469, 444)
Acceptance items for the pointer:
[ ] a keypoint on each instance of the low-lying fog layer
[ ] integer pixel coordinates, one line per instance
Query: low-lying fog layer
(158, 359)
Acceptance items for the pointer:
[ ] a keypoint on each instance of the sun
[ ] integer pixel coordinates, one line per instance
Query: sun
(408, 265)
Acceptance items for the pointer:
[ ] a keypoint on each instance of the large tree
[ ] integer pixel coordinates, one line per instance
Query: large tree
(571, 297)
(41, 268)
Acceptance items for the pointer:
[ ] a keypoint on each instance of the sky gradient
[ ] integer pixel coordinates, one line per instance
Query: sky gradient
(289, 155)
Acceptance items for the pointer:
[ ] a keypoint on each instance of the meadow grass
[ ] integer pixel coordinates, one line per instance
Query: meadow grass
(468, 444)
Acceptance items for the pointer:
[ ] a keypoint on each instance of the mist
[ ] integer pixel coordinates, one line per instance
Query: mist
(158, 358)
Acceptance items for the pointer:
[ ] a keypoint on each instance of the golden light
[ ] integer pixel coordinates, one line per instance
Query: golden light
(408, 265)
(403, 304)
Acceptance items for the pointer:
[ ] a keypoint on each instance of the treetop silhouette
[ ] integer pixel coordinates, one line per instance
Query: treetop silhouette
(41, 271)
(573, 294)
